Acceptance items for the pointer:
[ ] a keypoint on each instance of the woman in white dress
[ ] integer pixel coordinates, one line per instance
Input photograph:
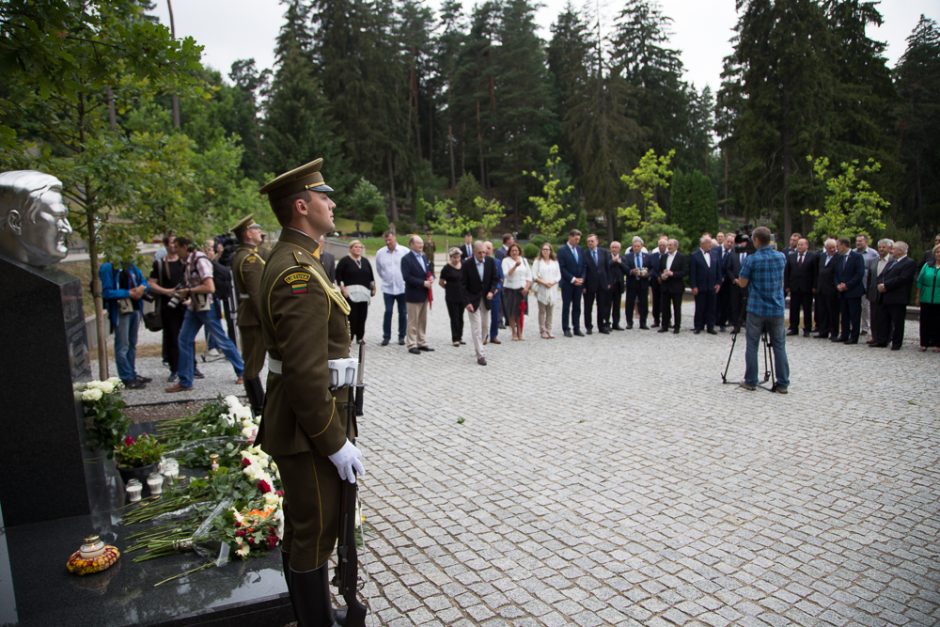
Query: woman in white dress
(546, 275)
(517, 278)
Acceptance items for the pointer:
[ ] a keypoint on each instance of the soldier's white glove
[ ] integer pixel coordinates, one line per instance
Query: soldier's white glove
(348, 461)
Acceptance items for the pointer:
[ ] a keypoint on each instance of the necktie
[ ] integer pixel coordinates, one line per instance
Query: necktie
(594, 254)
(800, 260)
(574, 253)
(708, 258)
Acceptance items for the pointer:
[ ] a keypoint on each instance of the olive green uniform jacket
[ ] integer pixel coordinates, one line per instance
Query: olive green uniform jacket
(304, 324)
(247, 268)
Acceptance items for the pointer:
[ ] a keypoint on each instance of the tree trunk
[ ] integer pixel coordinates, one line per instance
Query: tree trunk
(480, 148)
(393, 201)
(100, 328)
(175, 98)
(450, 146)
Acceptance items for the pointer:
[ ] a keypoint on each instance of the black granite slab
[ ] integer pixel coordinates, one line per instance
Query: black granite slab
(251, 592)
(42, 332)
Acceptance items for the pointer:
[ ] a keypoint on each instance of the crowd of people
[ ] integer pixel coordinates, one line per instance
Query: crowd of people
(841, 292)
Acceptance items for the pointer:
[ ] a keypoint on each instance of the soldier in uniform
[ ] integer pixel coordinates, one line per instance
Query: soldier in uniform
(247, 267)
(304, 324)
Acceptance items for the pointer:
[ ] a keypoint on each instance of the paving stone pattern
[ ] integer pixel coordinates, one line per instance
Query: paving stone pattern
(613, 480)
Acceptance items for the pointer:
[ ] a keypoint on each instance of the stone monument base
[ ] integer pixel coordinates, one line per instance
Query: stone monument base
(249, 593)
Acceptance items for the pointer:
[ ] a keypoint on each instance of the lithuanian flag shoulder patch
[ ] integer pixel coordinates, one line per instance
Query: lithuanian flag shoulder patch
(298, 282)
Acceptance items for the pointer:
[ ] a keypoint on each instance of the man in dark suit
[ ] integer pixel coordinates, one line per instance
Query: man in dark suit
(705, 277)
(673, 266)
(876, 268)
(416, 271)
(655, 257)
(894, 285)
(638, 282)
(827, 298)
(478, 279)
(615, 270)
(725, 250)
(500, 254)
(732, 270)
(849, 278)
(572, 264)
(799, 281)
(928, 254)
(466, 249)
(596, 286)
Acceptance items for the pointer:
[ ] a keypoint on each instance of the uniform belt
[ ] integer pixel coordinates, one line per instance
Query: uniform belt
(244, 296)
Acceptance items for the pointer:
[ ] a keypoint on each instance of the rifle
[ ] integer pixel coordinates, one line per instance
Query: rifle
(347, 562)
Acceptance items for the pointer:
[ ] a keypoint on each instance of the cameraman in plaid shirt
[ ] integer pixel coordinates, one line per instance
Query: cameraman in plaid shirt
(762, 273)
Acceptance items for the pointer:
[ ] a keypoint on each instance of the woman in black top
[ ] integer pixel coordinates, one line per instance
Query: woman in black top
(354, 277)
(165, 277)
(453, 295)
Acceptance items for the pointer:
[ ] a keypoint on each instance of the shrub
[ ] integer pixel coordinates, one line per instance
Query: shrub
(379, 223)
(531, 250)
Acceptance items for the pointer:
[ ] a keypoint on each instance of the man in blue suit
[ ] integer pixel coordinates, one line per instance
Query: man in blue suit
(849, 279)
(416, 271)
(654, 259)
(637, 266)
(572, 263)
(705, 277)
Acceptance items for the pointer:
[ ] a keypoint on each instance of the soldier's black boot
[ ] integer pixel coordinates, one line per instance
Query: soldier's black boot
(310, 594)
(255, 393)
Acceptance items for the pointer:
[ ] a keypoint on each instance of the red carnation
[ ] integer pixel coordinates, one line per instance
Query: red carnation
(263, 486)
(280, 492)
(245, 462)
(240, 533)
(128, 441)
(272, 541)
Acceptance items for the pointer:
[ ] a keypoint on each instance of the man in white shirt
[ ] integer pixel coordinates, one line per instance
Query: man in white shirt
(388, 267)
(869, 255)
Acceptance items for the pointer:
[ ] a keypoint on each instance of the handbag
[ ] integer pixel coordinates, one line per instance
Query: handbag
(152, 309)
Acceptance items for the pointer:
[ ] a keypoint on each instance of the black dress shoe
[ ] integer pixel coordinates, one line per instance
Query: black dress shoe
(696, 331)
(401, 341)
(605, 331)
(895, 348)
(144, 379)
(482, 361)
(836, 339)
(793, 332)
(721, 328)
(676, 330)
(426, 349)
(579, 334)
(617, 327)
(568, 334)
(644, 327)
(629, 326)
(385, 342)
(877, 345)
(712, 332)
(590, 331)
(805, 333)
(414, 351)
(663, 330)
(134, 384)
(820, 336)
(851, 341)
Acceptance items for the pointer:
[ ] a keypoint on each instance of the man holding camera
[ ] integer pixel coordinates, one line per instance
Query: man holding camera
(197, 296)
(762, 274)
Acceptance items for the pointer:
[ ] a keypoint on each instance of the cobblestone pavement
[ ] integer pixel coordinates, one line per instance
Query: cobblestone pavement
(614, 480)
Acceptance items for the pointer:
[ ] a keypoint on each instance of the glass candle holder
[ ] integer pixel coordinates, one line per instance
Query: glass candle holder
(134, 489)
(155, 484)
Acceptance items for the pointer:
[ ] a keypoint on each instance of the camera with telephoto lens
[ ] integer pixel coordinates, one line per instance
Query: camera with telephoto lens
(175, 300)
(742, 239)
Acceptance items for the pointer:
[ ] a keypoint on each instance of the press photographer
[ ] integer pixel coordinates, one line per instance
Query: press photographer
(762, 274)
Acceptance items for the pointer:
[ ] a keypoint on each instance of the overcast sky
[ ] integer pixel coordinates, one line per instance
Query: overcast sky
(239, 29)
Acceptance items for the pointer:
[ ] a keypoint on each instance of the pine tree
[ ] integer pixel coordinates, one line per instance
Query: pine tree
(694, 203)
(250, 84)
(298, 127)
(917, 77)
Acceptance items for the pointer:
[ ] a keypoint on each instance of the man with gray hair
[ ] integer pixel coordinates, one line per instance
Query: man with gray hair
(419, 280)
(869, 255)
(827, 298)
(34, 221)
(875, 268)
(894, 286)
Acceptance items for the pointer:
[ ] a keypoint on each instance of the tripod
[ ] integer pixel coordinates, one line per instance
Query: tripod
(768, 359)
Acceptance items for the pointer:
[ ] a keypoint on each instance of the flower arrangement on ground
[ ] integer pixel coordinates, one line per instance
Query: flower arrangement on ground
(144, 450)
(105, 422)
(235, 509)
(222, 426)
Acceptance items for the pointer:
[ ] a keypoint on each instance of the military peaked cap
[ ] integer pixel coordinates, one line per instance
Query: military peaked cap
(244, 224)
(306, 177)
